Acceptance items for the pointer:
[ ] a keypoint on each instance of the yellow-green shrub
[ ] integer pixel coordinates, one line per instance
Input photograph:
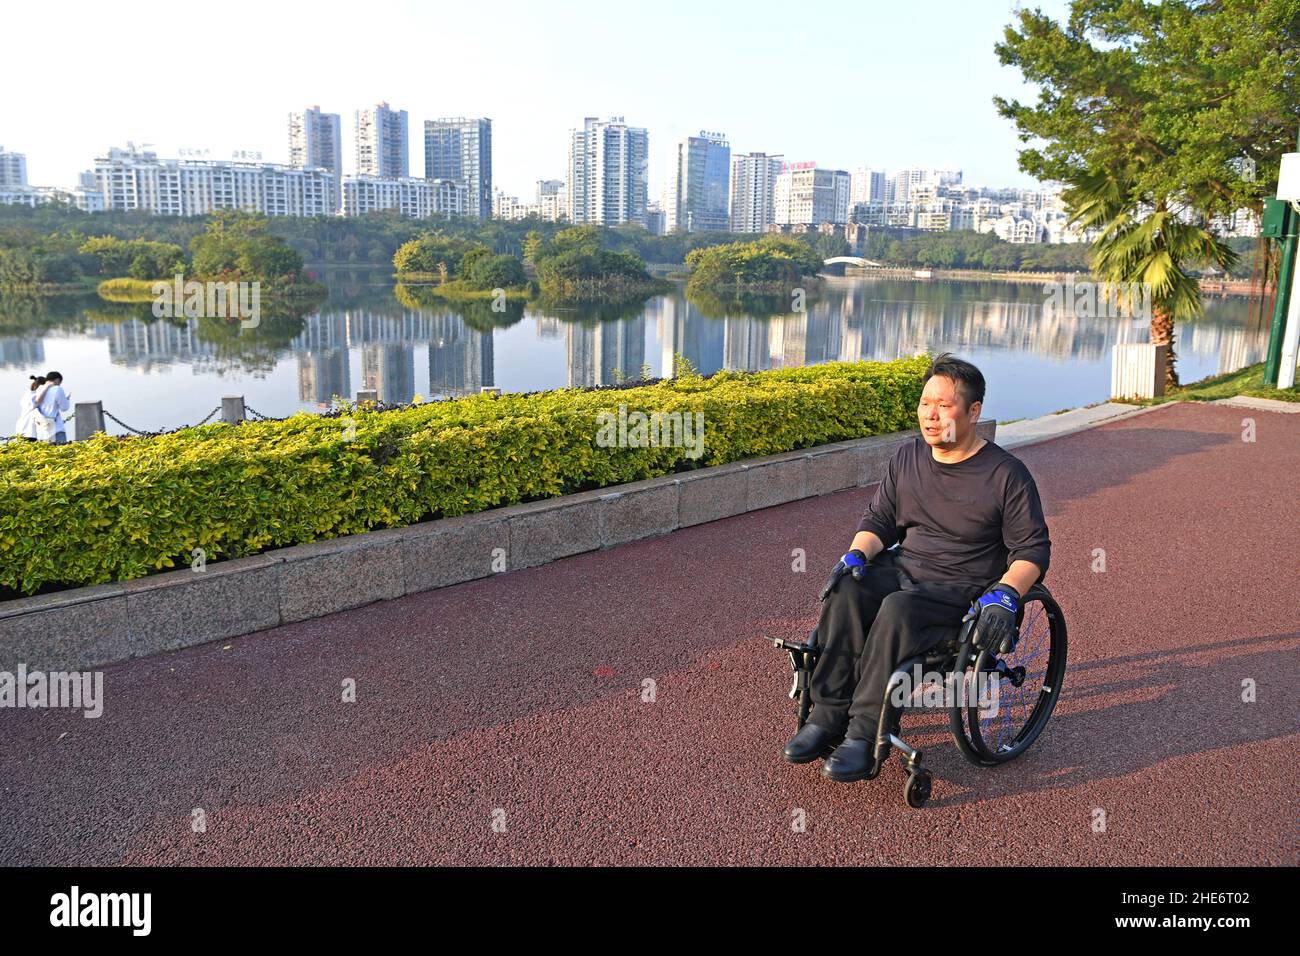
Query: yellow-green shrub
(112, 509)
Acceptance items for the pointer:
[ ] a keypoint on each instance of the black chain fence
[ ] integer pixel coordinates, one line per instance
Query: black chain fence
(134, 431)
(342, 411)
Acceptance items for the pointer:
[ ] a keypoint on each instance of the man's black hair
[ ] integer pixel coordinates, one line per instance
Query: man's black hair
(969, 380)
(50, 375)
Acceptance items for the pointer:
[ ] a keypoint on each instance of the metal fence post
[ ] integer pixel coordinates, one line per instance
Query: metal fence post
(232, 409)
(88, 418)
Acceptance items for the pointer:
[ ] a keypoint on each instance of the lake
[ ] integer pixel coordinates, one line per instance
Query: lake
(159, 374)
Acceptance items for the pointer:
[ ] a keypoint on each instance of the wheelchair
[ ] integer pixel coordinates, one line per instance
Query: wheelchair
(1027, 681)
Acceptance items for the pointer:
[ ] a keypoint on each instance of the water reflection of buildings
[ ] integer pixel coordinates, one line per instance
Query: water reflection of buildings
(460, 357)
(388, 369)
(859, 320)
(461, 360)
(143, 345)
(548, 327)
(322, 352)
(861, 324)
(747, 343)
(1235, 346)
(784, 341)
(23, 353)
(685, 331)
(602, 353)
(387, 345)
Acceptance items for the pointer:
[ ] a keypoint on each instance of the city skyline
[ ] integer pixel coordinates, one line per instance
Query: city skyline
(496, 61)
(606, 187)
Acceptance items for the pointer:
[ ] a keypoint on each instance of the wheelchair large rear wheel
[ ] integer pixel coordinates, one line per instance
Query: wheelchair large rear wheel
(1028, 685)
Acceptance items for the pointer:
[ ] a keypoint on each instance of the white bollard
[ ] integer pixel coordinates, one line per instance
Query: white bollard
(1138, 370)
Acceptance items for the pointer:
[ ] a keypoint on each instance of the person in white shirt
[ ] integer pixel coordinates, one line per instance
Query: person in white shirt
(53, 402)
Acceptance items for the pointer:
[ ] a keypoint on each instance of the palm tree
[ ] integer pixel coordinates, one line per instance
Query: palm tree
(1147, 239)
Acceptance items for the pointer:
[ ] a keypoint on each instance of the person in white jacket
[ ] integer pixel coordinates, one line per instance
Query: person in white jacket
(28, 424)
(54, 403)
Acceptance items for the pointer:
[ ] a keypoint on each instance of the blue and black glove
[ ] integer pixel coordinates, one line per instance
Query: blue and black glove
(854, 563)
(995, 623)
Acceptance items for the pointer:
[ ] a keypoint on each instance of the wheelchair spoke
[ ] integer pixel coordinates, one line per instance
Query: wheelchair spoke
(1003, 726)
(1007, 730)
(1038, 647)
(1018, 705)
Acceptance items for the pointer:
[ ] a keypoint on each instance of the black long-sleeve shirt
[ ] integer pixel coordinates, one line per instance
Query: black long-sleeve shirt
(961, 523)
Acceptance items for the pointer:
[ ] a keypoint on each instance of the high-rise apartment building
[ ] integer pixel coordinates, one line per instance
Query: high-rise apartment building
(654, 219)
(13, 168)
(461, 149)
(753, 191)
(133, 179)
(316, 142)
(608, 164)
(552, 200)
(381, 135)
(697, 192)
(806, 195)
(903, 182)
(866, 185)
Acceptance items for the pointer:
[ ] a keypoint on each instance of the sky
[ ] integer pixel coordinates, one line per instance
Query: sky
(861, 83)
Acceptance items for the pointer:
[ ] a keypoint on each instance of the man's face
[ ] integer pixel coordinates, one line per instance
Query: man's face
(943, 415)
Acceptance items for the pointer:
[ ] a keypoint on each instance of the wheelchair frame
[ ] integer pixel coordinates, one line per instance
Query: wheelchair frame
(956, 657)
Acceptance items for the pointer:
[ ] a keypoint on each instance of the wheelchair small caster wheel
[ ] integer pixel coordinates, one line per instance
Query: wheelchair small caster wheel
(918, 789)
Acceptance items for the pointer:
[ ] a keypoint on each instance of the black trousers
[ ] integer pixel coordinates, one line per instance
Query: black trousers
(866, 630)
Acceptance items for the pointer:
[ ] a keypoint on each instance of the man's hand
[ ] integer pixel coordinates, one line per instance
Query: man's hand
(854, 563)
(995, 627)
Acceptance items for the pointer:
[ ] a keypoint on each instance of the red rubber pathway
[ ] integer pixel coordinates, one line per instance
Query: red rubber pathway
(502, 721)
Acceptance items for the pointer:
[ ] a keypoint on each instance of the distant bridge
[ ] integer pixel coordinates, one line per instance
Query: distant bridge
(853, 261)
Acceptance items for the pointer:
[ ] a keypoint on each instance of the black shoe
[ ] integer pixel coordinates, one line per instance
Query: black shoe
(854, 759)
(811, 742)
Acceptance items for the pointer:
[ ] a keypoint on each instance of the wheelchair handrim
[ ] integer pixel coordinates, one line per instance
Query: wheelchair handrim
(1041, 650)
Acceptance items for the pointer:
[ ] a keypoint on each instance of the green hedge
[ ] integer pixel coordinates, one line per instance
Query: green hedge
(112, 508)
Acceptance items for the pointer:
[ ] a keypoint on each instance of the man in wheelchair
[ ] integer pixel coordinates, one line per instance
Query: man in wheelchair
(964, 512)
